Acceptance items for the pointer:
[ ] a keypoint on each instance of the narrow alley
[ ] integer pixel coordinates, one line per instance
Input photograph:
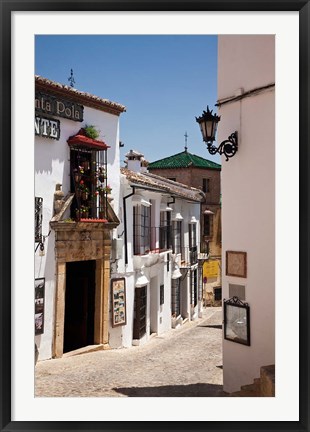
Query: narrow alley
(186, 362)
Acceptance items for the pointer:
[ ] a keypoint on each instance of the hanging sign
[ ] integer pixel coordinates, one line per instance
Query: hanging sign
(48, 104)
(210, 269)
(46, 127)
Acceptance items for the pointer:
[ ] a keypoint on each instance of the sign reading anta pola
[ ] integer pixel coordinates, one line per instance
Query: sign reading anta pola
(48, 104)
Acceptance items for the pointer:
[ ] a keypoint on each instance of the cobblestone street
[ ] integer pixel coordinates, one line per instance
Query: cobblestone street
(181, 363)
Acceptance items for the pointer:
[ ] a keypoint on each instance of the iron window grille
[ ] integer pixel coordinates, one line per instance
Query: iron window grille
(89, 183)
(162, 295)
(177, 244)
(194, 290)
(192, 244)
(141, 229)
(165, 230)
(176, 297)
(38, 218)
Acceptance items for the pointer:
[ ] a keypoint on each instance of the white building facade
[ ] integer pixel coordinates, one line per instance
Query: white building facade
(158, 240)
(73, 221)
(246, 101)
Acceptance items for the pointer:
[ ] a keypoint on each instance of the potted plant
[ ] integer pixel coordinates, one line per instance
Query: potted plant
(83, 190)
(78, 172)
(77, 214)
(100, 190)
(101, 174)
(85, 212)
(108, 189)
(91, 131)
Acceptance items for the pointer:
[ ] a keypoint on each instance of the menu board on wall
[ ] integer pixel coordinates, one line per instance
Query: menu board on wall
(118, 302)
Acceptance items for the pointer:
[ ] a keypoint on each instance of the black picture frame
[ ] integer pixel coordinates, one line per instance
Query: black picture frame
(118, 299)
(39, 301)
(7, 7)
(237, 321)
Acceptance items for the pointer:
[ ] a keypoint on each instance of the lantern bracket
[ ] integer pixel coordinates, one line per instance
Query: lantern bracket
(228, 147)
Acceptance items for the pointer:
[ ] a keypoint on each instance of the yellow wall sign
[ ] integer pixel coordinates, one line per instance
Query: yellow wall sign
(210, 269)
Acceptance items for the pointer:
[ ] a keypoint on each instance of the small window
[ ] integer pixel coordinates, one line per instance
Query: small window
(217, 294)
(206, 185)
(207, 225)
(162, 294)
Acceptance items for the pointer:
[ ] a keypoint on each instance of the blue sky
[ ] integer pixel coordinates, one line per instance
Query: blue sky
(164, 82)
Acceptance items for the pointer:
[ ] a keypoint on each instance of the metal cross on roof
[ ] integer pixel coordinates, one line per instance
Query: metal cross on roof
(186, 136)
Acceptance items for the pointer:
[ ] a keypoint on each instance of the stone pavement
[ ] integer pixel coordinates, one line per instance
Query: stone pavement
(184, 362)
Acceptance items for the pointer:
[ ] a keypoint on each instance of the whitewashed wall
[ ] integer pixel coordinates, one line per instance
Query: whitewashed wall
(155, 268)
(248, 197)
(52, 166)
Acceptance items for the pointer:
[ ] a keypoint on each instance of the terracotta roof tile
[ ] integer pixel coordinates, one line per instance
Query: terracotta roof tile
(164, 185)
(86, 98)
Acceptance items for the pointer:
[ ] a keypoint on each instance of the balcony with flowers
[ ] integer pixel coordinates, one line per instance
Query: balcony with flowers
(89, 182)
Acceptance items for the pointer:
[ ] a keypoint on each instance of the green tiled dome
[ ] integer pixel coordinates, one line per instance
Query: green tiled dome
(183, 160)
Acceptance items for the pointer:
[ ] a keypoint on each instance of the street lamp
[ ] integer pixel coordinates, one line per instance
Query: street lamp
(208, 126)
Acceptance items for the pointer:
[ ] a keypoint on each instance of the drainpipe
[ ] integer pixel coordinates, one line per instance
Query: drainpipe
(125, 222)
(171, 202)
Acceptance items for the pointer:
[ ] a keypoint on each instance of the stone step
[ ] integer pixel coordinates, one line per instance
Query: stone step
(255, 386)
(245, 393)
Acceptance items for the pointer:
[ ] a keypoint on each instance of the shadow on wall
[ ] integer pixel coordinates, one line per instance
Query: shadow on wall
(191, 390)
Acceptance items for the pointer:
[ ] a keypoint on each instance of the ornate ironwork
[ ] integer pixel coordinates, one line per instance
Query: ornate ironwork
(90, 184)
(71, 79)
(237, 321)
(235, 301)
(38, 217)
(228, 147)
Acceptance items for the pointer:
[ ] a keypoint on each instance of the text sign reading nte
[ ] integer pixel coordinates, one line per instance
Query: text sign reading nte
(47, 128)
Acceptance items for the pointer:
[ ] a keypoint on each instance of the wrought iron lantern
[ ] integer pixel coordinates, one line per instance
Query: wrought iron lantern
(208, 126)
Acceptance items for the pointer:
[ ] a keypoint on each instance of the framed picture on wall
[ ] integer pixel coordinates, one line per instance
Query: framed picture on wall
(236, 264)
(237, 321)
(118, 288)
(39, 287)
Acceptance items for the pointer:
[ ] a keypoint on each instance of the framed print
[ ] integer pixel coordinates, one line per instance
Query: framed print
(237, 321)
(118, 298)
(236, 264)
(21, 23)
(39, 305)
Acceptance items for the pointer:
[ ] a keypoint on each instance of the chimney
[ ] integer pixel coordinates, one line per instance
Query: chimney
(136, 162)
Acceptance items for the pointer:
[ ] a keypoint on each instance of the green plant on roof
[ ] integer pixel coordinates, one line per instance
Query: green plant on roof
(91, 131)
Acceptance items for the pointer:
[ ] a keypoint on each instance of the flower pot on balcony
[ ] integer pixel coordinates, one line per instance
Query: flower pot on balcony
(77, 177)
(84, 196)
(85, 165)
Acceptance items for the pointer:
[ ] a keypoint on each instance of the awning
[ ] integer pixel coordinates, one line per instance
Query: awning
(83, 141)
